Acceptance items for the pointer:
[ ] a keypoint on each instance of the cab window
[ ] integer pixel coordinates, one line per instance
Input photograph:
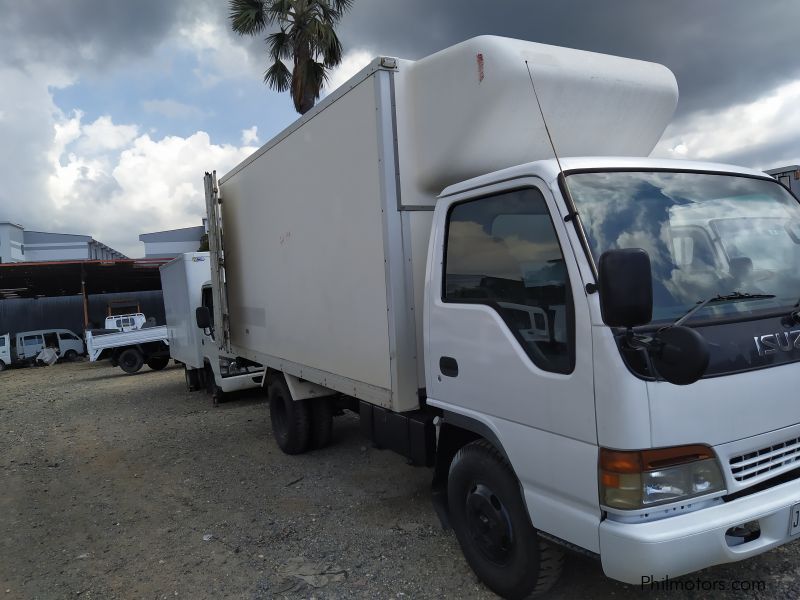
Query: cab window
(502, 251)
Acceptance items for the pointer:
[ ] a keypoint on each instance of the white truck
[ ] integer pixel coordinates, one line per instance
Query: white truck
(529, 327)
(186, 286)
(130, 350)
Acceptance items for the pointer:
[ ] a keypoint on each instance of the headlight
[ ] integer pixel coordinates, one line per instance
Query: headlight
(632, 480)
(227, 366)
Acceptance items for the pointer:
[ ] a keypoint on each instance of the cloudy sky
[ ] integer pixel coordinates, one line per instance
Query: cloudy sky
(111, 110)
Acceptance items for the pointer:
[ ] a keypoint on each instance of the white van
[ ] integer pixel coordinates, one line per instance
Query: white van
(27, 344)
(5, 351)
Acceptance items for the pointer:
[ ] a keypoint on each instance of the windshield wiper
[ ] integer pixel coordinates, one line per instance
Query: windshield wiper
(720, 298)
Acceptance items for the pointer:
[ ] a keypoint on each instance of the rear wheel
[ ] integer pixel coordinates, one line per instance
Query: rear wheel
(130, 360)
(2, 366)
(321, 422)
(157, 362)
(291, 423)
(492, 525)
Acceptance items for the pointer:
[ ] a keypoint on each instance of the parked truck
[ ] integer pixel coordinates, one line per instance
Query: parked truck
(130, 350)
(186, 286)
(475, 254)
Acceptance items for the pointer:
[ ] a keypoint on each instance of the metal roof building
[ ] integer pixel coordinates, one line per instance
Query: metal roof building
(20, 245)
(788, 176)
(168, 244)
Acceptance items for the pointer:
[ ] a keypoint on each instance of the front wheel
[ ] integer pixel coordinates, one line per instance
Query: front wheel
(192, 377)
(212, 389)
(70, 355)
(156, 363)
(492, 525)
(2, 366)
(130, 361)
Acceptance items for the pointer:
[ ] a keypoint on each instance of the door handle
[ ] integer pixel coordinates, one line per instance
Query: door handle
(448, 366)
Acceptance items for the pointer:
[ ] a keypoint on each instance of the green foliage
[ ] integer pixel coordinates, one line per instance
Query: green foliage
(306, 35)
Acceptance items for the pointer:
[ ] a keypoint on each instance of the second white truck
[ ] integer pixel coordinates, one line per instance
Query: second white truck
(186, 286)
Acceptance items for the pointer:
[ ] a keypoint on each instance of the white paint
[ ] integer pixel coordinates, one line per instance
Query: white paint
(170, 248)
(462, 126)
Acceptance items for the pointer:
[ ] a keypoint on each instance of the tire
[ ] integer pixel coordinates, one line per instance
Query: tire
(70, 355)
(192, 377)
(212, 389)
(321, 422)
(156, 363)
(291, 423)
(130, 360)
(493, 528)
(2, 366)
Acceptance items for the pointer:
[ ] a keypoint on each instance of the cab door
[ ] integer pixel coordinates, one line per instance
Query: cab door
(508, 344)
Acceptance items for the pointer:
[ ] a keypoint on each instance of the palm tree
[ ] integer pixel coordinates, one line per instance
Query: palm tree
(306, 35)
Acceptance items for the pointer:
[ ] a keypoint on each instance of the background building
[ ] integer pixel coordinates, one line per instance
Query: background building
(788, 176)
(168, 244)
(19, 245)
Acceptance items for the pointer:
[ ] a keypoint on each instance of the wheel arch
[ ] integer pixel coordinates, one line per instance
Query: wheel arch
(455, 432)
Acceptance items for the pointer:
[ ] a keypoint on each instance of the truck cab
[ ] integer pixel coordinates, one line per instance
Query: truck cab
(129, 322)
(610, 455)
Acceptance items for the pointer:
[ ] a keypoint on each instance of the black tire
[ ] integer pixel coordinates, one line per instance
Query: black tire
(2, 366)
(212, 389)
(321, 422)
(291, 423)
(157, 362)
(192, 377)
(70, 355)
(130, 360)
(493, 528)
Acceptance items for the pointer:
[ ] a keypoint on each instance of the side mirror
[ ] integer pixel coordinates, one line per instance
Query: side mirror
(203, 317)
(681, 355)
(625, 284)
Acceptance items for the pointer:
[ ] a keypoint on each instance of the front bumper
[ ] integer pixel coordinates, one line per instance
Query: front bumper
(682, 544)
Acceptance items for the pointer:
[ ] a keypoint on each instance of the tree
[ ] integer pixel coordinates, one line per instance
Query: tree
(305, 35)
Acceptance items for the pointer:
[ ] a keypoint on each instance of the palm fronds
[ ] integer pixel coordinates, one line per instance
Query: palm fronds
(307, 36)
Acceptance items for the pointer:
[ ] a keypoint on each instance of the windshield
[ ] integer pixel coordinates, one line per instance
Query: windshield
(706, 234)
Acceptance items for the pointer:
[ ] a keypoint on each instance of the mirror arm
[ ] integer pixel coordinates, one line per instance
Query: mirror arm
(648, 345)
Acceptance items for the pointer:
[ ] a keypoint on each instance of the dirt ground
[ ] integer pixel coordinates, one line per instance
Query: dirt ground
(117, 486)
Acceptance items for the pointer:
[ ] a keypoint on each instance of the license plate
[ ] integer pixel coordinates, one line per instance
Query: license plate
(794, 519)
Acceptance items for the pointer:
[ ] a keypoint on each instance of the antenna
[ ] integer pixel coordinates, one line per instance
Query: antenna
(541, 112)
(572, 215)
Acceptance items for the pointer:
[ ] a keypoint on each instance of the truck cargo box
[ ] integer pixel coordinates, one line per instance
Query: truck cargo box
(181, 281)
(325, 229)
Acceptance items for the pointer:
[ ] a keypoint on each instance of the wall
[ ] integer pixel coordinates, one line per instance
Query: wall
(66, 312)
(11, 243)
(170, 249)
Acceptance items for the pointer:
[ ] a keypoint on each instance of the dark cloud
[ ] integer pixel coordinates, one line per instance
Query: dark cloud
(721, 51)
(78, 32)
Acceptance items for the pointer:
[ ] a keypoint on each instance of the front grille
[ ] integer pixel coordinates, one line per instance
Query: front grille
(766, 460)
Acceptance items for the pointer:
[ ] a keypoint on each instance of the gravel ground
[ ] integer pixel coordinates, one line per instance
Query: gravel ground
(116, 486)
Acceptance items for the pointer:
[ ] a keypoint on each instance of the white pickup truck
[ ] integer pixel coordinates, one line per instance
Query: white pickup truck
(130, 350)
